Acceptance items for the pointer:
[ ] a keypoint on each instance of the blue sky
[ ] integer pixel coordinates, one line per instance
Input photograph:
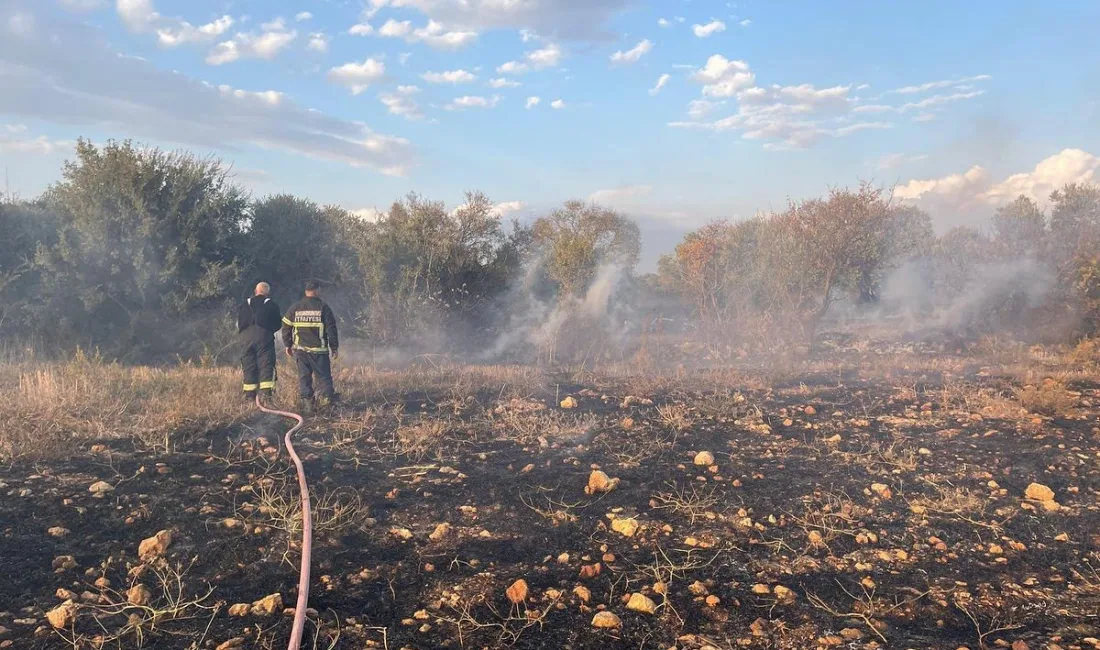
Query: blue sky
(961, 105)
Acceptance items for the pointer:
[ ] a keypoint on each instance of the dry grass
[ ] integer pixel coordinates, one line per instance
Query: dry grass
(1048, 398)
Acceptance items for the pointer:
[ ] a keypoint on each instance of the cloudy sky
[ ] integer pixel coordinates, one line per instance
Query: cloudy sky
(674, 111)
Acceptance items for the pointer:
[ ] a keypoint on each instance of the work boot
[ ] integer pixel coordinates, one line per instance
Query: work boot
(267, 397)
(304, 404)
(250, 396)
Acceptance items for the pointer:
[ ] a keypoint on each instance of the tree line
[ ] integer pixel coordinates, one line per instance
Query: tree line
(141, 253)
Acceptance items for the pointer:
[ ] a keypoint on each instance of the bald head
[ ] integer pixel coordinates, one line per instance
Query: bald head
(263, 288)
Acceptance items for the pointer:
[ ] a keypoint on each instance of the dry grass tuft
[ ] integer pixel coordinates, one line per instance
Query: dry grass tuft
(1048, 398)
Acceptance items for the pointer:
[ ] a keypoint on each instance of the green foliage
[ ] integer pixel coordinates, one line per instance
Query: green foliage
(578, 237)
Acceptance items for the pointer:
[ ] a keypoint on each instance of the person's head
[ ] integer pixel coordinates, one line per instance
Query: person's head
(263, 289)
(313, 288)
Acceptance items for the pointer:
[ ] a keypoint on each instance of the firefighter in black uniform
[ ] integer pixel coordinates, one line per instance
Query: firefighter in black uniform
(311, 338)
(257, 322)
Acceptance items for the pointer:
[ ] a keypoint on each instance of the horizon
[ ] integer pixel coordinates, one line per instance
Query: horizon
(357, 104)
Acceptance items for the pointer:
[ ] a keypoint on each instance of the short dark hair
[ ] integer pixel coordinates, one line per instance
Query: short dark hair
(313, 285)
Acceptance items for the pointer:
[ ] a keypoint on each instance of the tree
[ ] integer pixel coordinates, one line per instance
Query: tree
(147, 240)
(1019, 229)
(25, 227)
(579, 237)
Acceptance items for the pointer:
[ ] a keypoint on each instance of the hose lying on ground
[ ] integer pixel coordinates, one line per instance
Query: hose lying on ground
(307, 528)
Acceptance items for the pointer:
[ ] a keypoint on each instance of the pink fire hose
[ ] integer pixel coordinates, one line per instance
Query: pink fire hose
(307, 529)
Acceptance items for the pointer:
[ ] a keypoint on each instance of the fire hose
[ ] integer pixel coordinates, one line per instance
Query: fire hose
(307, 528)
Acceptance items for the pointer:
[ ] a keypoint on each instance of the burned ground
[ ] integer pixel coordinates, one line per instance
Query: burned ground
(852, 502)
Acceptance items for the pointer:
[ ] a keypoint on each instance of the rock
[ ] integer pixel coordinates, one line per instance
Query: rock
(155, 546)
(235, 642)
(100, 488)
(402, 533)
(1039, 492)
(1062, 537)
(760, 627)
(851, 634)
(784, 595)
(268, 605)
(641, 603)
(625, 527)
(628, 423)
(606, 621)
(697, 589)
(517, 591)
(599, 482)
(761, 589)
(1019, 645)
(713, 601)
(230, 522)
(441, 531)
(64, 563)
(815, 538)
(883, 491)
(704, 459)
(582, 592)
(139, 595)
(590, 570)
(63, 616)
(569, 403)
(809, 410)
(58, 531)
(65, 594)
(240, 609)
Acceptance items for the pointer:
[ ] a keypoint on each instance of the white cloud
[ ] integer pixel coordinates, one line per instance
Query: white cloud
(724, 78)
(632, 55)
(272, 38)
(361, 29)
(303, 16)
(473, 101)
(745, 23)
(318, 42)
(14, 140)
(623, 197)
(540, 59)
(372, 215)
(924, 117)
(528, 35)
(404, 57)
(907, 90)
(557, 104)
(508, 207)
(501, 82)
(571, 19)
(700, 108)
(975, 190)
(895, 160)
(358, 77)
(710, 29)
(449, 77)
(873, 108)
(141, 16)
(533, 102)
(88, 84)
(939, 100)
(83, 5)
(433, 34)
(402, 102)
(184, 32)
(662, 81)
(663, 22)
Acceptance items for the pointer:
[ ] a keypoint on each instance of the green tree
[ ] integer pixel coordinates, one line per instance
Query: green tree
(147, 248)
(578, 237)
(1019, 229)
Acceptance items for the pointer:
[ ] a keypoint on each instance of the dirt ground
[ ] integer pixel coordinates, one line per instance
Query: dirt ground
(841, 506)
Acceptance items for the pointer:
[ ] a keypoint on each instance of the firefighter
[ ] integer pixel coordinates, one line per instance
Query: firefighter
(311, 339)
(257, 323)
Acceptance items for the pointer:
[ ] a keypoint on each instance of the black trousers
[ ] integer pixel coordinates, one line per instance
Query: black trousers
(258, 364)
(310, 364)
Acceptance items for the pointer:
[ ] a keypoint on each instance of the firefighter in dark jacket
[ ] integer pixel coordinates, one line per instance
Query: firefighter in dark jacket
(311, 338)
(257, 323)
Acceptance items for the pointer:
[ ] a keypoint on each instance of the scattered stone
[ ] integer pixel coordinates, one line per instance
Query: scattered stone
(809, 410)
(58, 531)
(606, 621)
(704, 459)
(569, 403)
(1063, 537)
(139, 595)
(63, 616)
(582, 592)
(625, 527)
(240, 609)
(421, 615)
(761, 589)
(100, 488)
(713, 601)
(697, 589)
(760, 627)
(883, 491)
(1039, 492)
(641, 603)
(235, 642)
(851, 634)
(155, 546)
(402, 533)
(268, 605)
(230, 522)
(517, 592)
(64, 563)
(599, 482)
(441, 531)
(784, 595)
(65, 594)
